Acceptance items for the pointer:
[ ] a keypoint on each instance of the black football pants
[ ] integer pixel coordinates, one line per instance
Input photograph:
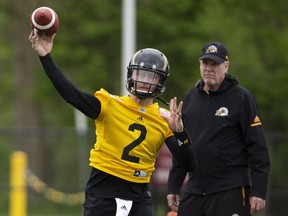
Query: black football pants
(99, 206)
(234, 202)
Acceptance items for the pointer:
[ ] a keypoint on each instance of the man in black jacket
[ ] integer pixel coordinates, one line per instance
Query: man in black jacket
(224, 124)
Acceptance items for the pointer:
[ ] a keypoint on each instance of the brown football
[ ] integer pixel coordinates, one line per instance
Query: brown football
(45, 20)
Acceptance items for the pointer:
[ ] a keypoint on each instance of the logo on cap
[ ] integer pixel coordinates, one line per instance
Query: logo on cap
(211, 49)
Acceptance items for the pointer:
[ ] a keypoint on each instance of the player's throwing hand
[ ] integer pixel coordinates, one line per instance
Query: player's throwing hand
(42, 45)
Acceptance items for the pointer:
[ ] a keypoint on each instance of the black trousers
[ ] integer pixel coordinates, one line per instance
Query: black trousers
(234, 202)
(99, 206)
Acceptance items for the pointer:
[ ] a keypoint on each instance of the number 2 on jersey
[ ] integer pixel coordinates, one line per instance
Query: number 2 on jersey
(132, 145)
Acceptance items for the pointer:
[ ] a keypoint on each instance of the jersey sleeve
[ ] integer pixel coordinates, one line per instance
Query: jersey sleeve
(84, 102)
(182, 150)
(177, 175)
(184, 160)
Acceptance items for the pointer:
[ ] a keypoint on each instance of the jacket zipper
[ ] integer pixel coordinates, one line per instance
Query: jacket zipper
(204, 119)
(203, 128)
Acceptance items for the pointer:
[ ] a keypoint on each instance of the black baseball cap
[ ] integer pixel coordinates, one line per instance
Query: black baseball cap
(214, 50)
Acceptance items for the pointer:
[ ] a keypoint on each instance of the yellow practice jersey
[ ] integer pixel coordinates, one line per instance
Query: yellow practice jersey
(128, 137)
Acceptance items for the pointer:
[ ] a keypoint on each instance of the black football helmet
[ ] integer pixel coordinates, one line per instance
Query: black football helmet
(147, 61)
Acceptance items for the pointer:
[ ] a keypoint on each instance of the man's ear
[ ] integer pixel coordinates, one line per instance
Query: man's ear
(227, 65)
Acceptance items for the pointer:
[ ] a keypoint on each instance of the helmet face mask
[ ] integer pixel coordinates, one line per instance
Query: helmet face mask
(147, 73)
(144, 82)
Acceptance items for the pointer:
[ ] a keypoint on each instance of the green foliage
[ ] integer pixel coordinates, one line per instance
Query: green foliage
(88, 48)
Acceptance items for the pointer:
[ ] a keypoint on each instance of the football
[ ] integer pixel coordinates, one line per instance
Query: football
(45, 20)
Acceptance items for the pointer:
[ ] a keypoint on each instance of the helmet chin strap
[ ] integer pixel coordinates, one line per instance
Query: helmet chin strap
(163, 101)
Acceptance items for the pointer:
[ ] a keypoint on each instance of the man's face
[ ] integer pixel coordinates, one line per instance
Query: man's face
(213, 73)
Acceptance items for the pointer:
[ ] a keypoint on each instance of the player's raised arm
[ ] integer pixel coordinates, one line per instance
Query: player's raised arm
(41, 38)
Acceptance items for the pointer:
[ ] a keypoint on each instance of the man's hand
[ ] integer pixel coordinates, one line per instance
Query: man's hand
(174, 120)
(173, 201)
(257, 204)
(41, 44)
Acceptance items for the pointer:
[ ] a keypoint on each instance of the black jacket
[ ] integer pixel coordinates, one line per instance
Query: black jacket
(225, 129)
